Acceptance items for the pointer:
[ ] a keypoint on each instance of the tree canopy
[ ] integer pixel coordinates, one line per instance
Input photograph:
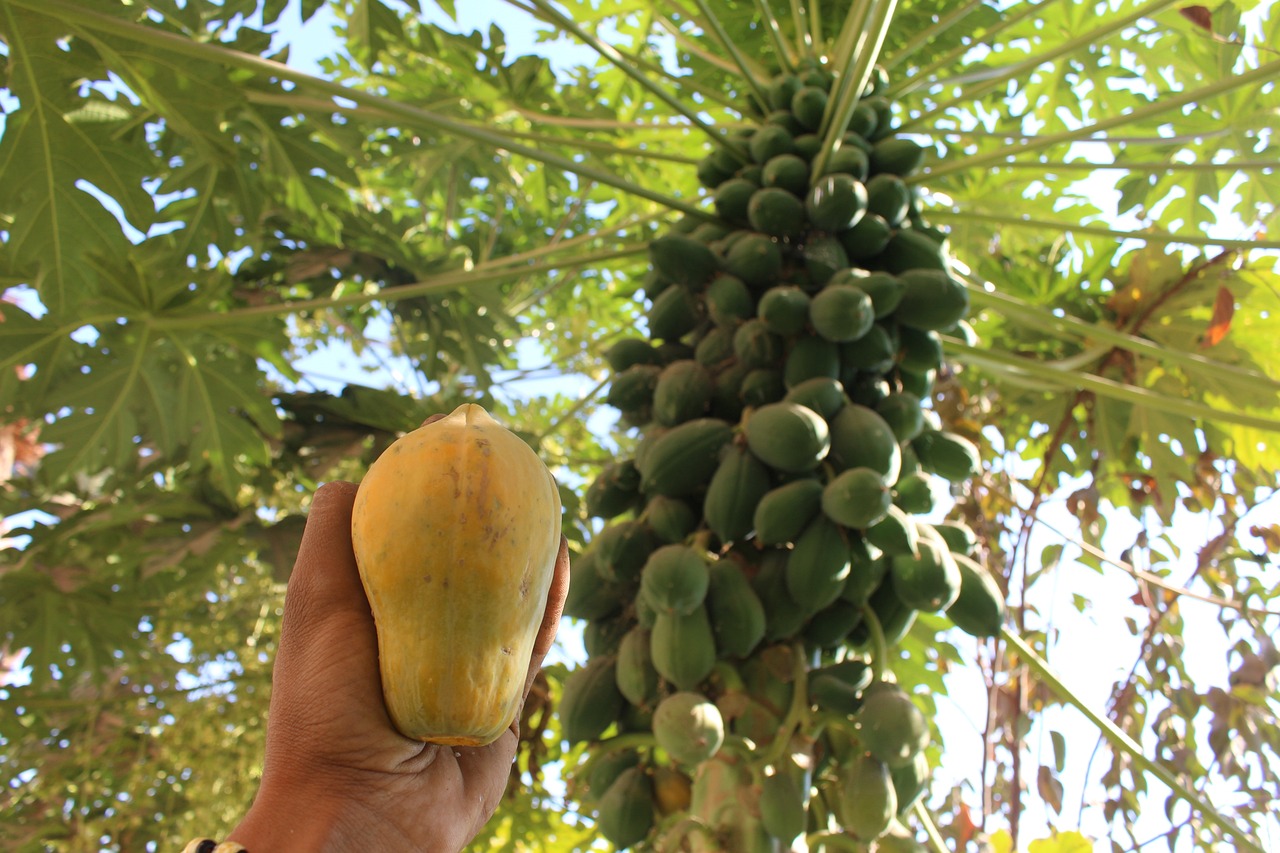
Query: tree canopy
(195, 232)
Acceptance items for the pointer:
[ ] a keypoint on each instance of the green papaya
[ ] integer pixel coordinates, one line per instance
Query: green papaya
(818, 565)
(909, 249)
(979, 608)
(689, 727)
(784, 310)
(605, 768)
(860, 438)
(865, 577)
(636, 677)
(822, 394)
(868, 800)
(867, 238)
(762, 386)
(959, 536)
(788, 172)
(910, 782)
(632, 390)
(841, 312)
(891, 726)
(783, 513)
(670, 519)
(897, 156)
(683, 648)
(737, 486)
(830, 625)
(808, 105)
(683, 459)
(928, 581)
(889, 197)
(811, 358)
(856, 498)
(788, 437)
(947, 454)
(755, 346)
(590, 702)
(615, 490)
(684, 260)
(627, 809)
(769, 141)
(729, 301)
(737, 616)
(931, 299)
(590, 595)
(776, 212)
(783, 614)
(675, 312)
(629, 352)
(836, 202)
(731, 199)
(914, 493)
(756, 259)
(823, 257)
(894, 534)
(674, 579)
(621, 550)
(782, 808)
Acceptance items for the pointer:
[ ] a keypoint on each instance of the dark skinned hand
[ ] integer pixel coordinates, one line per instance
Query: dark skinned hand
(338, 776)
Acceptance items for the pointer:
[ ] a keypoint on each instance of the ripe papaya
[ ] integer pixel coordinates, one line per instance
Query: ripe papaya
(788, 437)
(683, 648)
(736, 487)
(782, 514)
(627, 808)
(672, 790)
(683, 459)
(674, 579)
(590, 702)
(456, 530)
(689, 727)
(735, 611)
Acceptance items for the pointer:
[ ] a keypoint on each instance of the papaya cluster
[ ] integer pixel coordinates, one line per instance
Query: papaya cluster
(767, 535)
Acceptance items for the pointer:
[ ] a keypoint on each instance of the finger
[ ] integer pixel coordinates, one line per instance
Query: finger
(555, 602)
(325, 579)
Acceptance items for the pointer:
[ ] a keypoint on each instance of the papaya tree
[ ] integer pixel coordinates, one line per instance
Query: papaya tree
(868, 324)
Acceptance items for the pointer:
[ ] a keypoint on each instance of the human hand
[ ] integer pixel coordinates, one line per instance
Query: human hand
(338, 776)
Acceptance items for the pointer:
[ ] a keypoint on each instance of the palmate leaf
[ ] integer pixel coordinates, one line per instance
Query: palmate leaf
(51, 145)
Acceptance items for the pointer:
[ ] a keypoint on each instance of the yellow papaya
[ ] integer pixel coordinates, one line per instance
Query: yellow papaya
(456, 529)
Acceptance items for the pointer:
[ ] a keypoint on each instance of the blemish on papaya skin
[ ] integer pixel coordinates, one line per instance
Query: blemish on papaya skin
(506, 650)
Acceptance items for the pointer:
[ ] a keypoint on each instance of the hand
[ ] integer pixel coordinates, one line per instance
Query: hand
(338, 776)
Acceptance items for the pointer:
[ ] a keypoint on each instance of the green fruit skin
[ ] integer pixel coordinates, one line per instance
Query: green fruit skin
(856, 498)
(784, 310)
(891, 726)
(865, 577)
(675, 579)
(782, 810)
(729, 301)
(931, 300)
(830, 625)
(948, 455)
(637, 679)
(959, 536)
(755, 259)
(788, 437)
(811, 358)
(929, 581)
(590, 595)
(910, 782)
(606, 768)
(689, 727)
(590, 702)
(614, 490)
(822, 394)
(818, 565)
(683, 259)
(895, 534)
(684, 458)
(670, 519)
(736, 613)
(631, 351)
(868, 800)
(979, 609)
(736, 488)
(683, 648)
(784, 615)
(626, 809)
(776, 212)
(784, 512)
(861, 438)
(842, 312)
(683, 392)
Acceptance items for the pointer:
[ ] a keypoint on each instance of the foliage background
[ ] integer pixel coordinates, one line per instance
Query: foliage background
(194, 233)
